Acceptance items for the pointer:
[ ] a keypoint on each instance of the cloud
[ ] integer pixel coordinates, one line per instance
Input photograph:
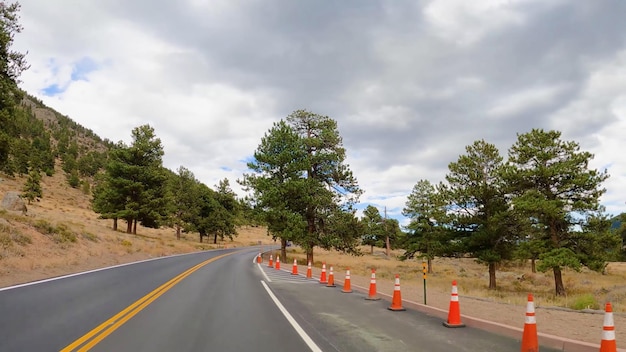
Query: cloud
(410, 84)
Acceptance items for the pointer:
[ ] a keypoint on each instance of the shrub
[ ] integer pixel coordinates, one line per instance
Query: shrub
(5, 240)
(585, 301)
(90, 236)
(21, 239)
(44, 227)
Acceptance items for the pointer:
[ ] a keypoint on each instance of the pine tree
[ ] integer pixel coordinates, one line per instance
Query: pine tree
(32, 187)
(550, 182)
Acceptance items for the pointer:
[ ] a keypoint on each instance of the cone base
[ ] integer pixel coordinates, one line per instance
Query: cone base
(346, 291)
(373, 298)
(396, 309)
(323, 282)
(447, 325)
(331, 285)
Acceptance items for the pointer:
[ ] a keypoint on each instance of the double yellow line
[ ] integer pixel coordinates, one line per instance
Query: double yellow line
(105, 329)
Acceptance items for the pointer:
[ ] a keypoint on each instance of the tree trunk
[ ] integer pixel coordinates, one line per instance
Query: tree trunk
(178, 232)
(533, 268)
(430, 265)
(129, 226)
(135, 227)
(283, 249)
(492, 276)
(388, 251)
(200, 237)
(115, 224)
(558, 282)
(372, 249)
(309, 256)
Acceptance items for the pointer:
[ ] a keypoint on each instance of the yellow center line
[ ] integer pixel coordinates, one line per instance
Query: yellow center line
(105, 329)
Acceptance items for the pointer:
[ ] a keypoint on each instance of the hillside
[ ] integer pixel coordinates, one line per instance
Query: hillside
(82, 241)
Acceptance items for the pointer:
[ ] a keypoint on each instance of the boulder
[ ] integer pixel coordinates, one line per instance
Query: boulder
(12, 201)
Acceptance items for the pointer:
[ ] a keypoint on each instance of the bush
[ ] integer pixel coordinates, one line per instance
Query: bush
(586, 301)
(90, 236)
(60, 233)
(21, 239)
(5, 240)
(44, 227)
(64, 234)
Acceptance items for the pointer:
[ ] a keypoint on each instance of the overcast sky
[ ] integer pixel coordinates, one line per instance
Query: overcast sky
(410, 83)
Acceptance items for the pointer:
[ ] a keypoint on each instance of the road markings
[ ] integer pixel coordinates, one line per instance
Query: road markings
(103, 330)
(264, 274)
(307, 339)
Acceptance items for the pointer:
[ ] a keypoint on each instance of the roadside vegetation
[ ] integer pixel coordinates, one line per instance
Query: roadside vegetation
(538, 205)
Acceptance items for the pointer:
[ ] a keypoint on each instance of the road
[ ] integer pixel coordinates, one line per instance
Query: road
(215, 301)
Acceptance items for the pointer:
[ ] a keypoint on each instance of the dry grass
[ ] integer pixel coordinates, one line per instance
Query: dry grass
(61, 234)
(506, 305)
(514, 280)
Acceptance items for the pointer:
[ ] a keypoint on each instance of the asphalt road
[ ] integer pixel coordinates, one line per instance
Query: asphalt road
(224, 305)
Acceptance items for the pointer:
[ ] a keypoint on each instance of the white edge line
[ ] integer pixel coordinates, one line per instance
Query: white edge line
(264, 274)
(94, 271)
(307, 339)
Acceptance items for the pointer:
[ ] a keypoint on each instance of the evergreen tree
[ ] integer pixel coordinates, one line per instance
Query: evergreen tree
(550, 182)
(134, 187)
(32, 187)
(301, 181)
(374, 232)
(186, 201)
(477, 192)
(12, 63)
(427, 211)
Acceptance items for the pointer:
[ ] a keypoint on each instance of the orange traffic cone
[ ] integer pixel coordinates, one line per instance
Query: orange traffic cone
(372, 294)
(530, 343)
(608, 343)
(331, 278)
(309, 273)
(294, 270)
(346, 283)
(271, 263)
(454, 313)
(277, 262)
(323, 279)
(259, 259)
(396, 301)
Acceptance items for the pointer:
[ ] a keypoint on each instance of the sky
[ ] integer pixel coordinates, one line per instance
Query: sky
(410, 83)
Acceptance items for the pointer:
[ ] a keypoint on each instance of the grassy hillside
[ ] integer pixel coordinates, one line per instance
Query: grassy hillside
(61, 234)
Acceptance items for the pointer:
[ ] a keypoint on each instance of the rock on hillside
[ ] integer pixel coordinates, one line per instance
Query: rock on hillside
(12, 201)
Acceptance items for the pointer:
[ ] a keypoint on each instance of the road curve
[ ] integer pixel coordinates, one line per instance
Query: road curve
(224, 305)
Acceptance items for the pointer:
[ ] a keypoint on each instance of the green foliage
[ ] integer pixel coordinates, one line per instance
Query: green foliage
(134, 186)
(373, 230)
(60, 233)
(559, 258)
(477, 192)
(85, 187)
(549, 181)
(300, 181)
(585, 301)
(32, 187)
(89, 164)
(73, 180)
(596, 245)
(426, 209)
